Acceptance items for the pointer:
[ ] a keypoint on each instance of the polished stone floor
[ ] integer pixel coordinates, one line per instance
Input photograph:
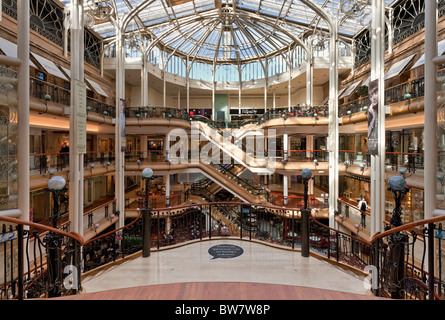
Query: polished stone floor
(258, 263)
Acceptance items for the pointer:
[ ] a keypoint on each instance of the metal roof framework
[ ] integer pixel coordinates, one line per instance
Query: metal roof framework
(226, 31)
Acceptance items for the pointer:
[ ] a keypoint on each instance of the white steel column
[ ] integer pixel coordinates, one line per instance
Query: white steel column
(167, 148)
(309, 145)
(213, 91)
(333, 122)
(265, 96)
(167, 189)
(377, 72)
(23, 108)
(285, 189)
(76, 159)
(289, 93)
(285, 146)
(187, 79)
(289, 84)
(310, 187)
(430, 98)
(309, 75)
(120, 140)
(239, 97)
(164, 88)
(274, 101)
(266, 81)
(144, 147)
(144, 80)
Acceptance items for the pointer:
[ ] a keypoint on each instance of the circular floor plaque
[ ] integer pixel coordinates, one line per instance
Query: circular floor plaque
(225, 251)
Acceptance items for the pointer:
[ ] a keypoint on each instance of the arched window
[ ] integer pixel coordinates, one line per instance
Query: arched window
(252, 71)
(226, 72)
(201, 71)
(176, 65)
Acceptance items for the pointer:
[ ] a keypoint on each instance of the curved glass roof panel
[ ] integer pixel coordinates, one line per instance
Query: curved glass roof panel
(227, 31)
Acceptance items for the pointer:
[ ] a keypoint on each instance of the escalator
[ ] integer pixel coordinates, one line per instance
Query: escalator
(210, 191)
(225, 214)
(233, 146)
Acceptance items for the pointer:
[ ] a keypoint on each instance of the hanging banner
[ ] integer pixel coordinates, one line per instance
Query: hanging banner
(122, 116)
(80, 103)
(373, 112)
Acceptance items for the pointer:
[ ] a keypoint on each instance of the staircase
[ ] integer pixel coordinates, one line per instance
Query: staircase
(233, 145)
(208, 190)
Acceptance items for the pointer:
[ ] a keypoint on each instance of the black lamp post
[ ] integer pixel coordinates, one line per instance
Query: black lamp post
(147, 175)
(306, 174)
(397, 241)
(397, 185)
(56, 185)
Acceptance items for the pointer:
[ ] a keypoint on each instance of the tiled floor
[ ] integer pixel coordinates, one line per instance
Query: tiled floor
(258, 263)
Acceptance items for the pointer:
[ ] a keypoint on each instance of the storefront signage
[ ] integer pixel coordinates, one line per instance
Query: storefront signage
(246, 111)
(359, 178)
(249, 111)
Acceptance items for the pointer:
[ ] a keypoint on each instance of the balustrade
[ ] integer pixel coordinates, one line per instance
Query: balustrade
(156, 112)
(47, 91)
(412, 162)
(100, 107)
(41, 163)
(411, 89)
(28, 278)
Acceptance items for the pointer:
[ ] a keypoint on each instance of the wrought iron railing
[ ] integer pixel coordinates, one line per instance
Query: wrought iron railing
(395, 161)
(46, 92)
(405, 261)
(401, 271)
(352, 107)
(57, 161)
(411, 89)
(398, 259)
(294, 112)
(38, 263)
(100, 107)
(156, 112)
(40, 89)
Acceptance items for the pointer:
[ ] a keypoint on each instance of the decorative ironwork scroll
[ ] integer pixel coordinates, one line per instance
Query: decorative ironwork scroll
(45, 17)
(8, 139)
(408, 18)
(93, 49)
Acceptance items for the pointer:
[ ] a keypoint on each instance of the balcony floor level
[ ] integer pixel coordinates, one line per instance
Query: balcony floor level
(192, 269)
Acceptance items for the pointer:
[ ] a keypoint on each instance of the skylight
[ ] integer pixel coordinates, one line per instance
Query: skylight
(227, 31)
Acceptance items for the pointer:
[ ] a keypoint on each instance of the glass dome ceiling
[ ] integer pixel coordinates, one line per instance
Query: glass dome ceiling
(226, 31)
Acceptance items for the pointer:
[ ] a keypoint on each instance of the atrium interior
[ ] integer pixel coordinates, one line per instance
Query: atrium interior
(293, 143)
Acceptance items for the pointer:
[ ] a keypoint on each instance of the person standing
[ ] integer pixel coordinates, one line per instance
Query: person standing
(64, 153)
(363, 206)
